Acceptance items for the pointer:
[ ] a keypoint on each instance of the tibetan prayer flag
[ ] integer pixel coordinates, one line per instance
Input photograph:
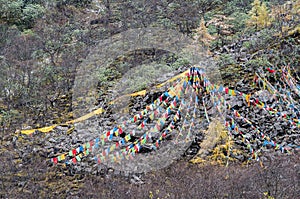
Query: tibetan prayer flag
(160, 98)
(127, 137)
(135, 118)
(74, 160)
(232, 92)
(162, 123)
(166, 115)
(169, 111)
(226, 90)
(112, 147)
(117, 133)
(81, 149)
(74, 152)
(107, 151)
(271, 70)
(136, 148)
(111, 136)
(102, 158)
(151, 107)
(157, 127)
(248, 99)
(54, 160)
(63, 157)
(120, 131)
(151, 116)
(221, 89)
(78, 158)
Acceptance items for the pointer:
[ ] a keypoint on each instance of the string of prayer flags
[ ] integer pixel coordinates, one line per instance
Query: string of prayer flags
(271, 70)
(109, 134)
(267, 139)
(137, 144)
(127, 145)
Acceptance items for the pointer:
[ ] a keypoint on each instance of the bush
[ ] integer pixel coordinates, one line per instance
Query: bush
(20, 13)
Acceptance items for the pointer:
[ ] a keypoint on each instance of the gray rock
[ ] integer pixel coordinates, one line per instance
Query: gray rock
(52, 140)
(277, 127)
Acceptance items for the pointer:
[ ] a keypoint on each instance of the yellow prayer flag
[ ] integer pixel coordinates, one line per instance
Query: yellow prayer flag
(143, 92)
(63, 157)
(47, 129)
(28, 132)
(233, 93)
(248, 99)
(43, 130)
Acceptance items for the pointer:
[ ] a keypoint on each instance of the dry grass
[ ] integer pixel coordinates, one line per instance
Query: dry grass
(217, 145)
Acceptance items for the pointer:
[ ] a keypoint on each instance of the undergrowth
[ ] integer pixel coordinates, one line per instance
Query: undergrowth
(218, 146)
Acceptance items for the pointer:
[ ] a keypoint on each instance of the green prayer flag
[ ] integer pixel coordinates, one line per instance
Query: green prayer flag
(78, 158)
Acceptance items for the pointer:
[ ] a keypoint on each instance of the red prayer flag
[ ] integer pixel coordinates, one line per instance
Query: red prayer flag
(136, 148)
(74, 152)
(120, 130)
(271, 70)
(226, 90)
(54, 160)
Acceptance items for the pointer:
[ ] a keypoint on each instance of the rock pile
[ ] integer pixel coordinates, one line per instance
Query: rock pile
(260, 121)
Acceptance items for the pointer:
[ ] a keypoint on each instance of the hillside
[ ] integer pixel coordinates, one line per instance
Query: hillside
(149, 99)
